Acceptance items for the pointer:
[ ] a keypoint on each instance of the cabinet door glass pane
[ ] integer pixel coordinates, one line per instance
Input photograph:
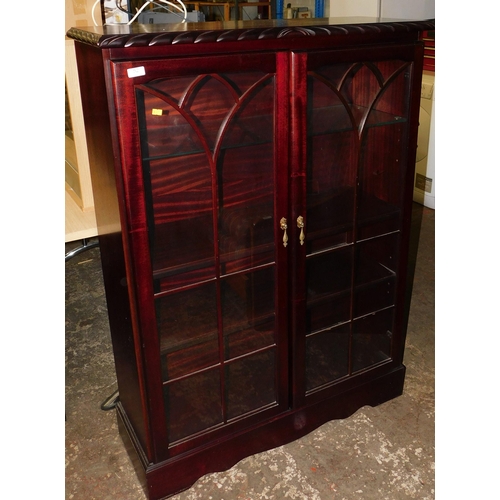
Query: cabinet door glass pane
(356, 129)
(329, 278)
(371, 339)
(331, 168)
(375, 277)
(332, 158)
(246, 182)
(180, 195)
(193, 404)
(327, 356)
(248, 316)
(250, 383)
(207, 146)
(382, 162)
(187, 325)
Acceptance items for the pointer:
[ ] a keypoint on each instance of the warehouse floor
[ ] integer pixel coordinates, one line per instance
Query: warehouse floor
(382, 453)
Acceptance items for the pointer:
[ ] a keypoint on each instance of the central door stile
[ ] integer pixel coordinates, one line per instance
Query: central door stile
(297, 189)
(282, 210)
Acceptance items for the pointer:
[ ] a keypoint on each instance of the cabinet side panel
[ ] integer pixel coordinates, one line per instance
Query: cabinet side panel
(407, 264)
(101, 158)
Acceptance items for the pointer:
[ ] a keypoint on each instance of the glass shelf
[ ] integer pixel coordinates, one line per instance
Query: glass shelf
(331, 119)
(170, 141)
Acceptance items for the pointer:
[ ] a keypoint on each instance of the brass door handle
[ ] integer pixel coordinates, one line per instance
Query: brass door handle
(300, 225)
(284, 227)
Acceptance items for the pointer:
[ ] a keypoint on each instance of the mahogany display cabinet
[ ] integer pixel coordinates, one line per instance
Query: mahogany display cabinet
(253, 198)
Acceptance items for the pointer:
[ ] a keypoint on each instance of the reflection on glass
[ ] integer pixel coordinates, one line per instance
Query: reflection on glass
(248, 316)
(327, 356)
(246, 178)
(371, 339)
(250, 383)
(375, 276)
(187, 327)
(193, 404)
(331, 169)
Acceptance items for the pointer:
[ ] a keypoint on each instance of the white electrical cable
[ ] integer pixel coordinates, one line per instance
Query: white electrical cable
(93, 8)
(183, 9)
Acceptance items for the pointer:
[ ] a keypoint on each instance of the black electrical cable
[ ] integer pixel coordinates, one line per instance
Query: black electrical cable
(119, 6)
(110, 402)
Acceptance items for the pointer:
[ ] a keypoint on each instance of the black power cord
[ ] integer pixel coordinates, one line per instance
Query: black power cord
(110, 402)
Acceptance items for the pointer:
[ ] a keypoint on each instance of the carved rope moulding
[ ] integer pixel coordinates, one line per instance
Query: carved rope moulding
(158, 38)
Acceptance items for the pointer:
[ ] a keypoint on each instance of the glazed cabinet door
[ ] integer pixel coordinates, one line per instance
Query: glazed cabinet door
(201, 167)
(352, 150)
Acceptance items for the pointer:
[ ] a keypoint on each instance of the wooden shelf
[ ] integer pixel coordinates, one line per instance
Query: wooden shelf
(79, 224)
(79, 201)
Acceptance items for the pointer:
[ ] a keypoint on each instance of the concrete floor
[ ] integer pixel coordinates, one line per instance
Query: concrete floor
(382, 453)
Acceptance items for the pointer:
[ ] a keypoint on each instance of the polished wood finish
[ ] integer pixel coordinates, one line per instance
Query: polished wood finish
(254, 209)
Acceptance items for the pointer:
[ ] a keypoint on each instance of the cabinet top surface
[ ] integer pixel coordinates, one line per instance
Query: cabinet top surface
(142, 35)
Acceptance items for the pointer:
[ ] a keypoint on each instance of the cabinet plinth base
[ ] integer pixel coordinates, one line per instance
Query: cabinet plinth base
(167, 478)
